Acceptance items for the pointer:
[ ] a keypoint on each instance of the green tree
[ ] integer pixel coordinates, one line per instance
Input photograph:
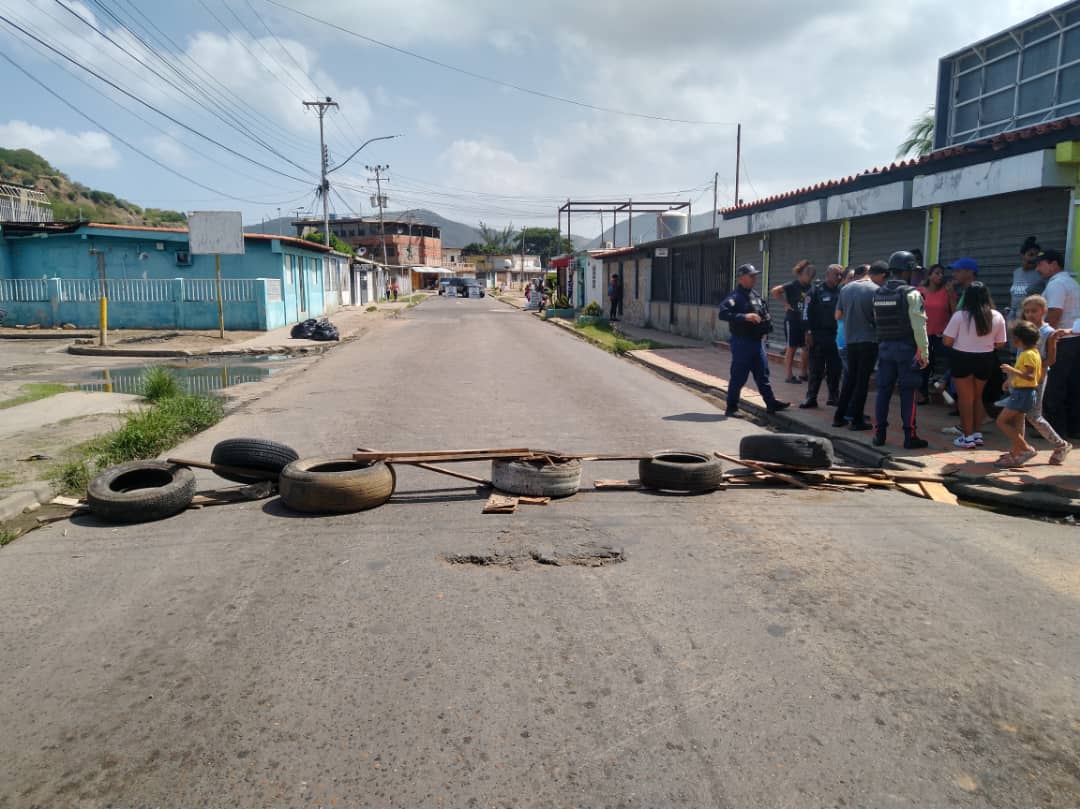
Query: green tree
(495, 241)
(920, 139)
(544, 242)
(336, 243)
(473, 249)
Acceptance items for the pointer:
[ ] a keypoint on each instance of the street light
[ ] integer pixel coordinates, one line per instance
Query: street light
(362, 145)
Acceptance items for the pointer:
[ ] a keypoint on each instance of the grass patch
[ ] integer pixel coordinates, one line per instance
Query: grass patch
(372, 309)
(7, 535)
(145, 434)
(33, 391)
(159, 383)
(606, 337)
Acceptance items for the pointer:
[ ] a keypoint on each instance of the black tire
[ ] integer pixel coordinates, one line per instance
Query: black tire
(259, 454)
(680, 471)
(335, 485)
(793, 449)
(536, 478)
(141, 491)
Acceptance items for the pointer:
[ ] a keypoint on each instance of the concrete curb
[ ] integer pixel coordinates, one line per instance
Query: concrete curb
(35, 334)
(14, 502)
(98, 351)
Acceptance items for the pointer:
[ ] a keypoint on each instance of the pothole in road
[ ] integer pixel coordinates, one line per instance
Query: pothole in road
(585, 555)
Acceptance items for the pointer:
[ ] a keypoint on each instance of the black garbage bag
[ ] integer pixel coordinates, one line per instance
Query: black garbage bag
(304, 330)
(325, 330)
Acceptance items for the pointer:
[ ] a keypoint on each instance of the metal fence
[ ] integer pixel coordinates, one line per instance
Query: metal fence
(24, 290)
(233, 290)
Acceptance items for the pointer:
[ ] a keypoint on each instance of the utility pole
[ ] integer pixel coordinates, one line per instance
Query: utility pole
(324, 187)
(378, 178)
(715, 197)
(738, 159)
(522, 258)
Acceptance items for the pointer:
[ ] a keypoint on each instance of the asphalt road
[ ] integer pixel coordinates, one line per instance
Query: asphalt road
(754, 649)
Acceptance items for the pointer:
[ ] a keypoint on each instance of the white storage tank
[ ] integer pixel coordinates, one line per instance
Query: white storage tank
(672, 223)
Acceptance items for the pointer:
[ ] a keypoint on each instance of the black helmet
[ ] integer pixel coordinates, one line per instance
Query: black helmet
(902, 260)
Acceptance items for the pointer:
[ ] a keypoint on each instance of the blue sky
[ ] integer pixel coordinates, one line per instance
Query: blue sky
(822, 89)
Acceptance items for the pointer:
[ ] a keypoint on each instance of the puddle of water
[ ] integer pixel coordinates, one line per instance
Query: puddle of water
(194, 376)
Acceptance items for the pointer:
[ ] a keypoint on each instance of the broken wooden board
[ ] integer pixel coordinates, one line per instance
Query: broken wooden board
(911, 488)
(788, 479)
(616, 485)
(498, 503)
(938, 493)
(533, 501)
(62, 500)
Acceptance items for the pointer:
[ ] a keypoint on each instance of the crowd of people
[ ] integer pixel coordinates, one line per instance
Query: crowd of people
(930, 332)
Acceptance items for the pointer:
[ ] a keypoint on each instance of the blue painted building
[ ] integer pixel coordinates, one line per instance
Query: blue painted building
(51, 274)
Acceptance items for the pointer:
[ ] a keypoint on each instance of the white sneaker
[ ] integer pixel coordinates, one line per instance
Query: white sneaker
(948, 398)
(977, 438)
(1057, 457)
(965, 442)
(953, 430)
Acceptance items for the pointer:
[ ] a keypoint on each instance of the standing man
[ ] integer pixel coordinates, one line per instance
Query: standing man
(615, 292)
(856, 308)
(1026, 279)
(748, 316)
(903, 349)
(1062, 398)
(821, 326)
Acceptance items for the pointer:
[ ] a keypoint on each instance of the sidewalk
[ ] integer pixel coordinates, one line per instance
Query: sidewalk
(350, 321)
(1037, 486)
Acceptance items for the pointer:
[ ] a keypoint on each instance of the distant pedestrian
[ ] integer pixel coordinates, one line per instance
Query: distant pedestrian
(1026, 279)
(793, 296)
(394, 289)
(821, 325)
(615, 296)
(1062, 295)
(747, 314)
(1033, 310)
(903, 349)
(973, 335)
(388, 291)
(856, 308)
(938, 311)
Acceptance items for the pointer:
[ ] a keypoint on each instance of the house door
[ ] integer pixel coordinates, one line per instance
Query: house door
(300, 277)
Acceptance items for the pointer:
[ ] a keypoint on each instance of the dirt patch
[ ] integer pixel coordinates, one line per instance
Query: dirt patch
(582, 555)
(53, 442)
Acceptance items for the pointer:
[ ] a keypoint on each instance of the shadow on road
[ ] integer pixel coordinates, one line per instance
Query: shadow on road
(698, 417)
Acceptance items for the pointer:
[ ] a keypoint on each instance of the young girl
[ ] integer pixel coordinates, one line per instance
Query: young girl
(1023, 383)
(1033, 310)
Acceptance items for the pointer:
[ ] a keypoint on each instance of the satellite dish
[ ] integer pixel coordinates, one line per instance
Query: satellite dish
(361, 251)
(508, 264)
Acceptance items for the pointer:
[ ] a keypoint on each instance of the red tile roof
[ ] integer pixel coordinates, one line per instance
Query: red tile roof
(995, 142)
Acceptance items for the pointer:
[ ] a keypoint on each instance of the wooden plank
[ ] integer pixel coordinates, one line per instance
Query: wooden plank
(216, 467)
(911, 488)
(938, 493)
(534, 501)
(386, 455)
(791, 481)
(451, 473)
(447, 458)
(499, 503)
(61, 500)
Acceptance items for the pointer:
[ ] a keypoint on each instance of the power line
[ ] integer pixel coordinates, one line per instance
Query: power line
(183, 91)
(133, 148)
(140, 118)
(147, 104)
(501, 83)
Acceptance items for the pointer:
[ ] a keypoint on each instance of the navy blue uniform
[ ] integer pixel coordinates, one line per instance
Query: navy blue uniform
(747, 349)
(819, 317)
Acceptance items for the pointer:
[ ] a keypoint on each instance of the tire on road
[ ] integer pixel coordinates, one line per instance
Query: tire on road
(141, 491)
(536, 478)
(335, 485)
(680, 471)
(793, 449)
(258, 454)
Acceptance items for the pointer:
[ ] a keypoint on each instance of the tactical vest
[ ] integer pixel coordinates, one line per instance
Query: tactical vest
(821, 308)
(891, 312)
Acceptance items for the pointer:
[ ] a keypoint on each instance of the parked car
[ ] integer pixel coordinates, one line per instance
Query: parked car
(467, 290)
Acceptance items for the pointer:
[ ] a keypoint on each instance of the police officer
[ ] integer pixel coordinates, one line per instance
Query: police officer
(748, 316)
(819, 317)
(903, 348)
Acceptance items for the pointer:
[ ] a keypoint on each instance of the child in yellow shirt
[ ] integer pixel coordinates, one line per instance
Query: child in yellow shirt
(1024, 380)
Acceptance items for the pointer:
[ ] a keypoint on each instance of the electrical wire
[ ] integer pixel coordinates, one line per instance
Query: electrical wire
(147, 104)
(183, 91)
(131, 146)
(490, 79)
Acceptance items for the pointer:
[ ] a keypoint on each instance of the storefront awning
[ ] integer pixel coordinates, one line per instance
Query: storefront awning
(434, 270)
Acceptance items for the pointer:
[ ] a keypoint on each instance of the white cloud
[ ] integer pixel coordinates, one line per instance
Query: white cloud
(427, 125)
(169, 150)
(62, 148)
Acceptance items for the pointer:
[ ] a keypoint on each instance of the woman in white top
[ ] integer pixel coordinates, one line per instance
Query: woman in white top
(973, 334)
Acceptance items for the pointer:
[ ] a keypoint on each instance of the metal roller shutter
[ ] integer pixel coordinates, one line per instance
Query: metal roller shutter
(747, 252)
(875, 238)
(819, 243)
(991, 231)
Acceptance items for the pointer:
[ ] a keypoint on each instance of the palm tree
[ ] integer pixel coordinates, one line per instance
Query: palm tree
(920, 139)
